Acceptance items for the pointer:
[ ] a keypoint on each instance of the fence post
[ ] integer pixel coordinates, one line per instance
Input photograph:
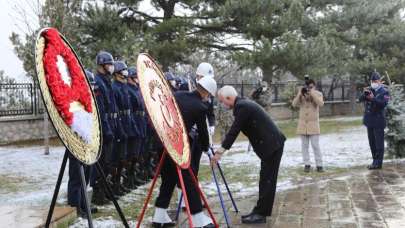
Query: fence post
(343, 91)
(46, 133)
(242, 90)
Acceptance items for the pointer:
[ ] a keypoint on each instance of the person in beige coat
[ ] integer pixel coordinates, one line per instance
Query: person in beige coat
(308, 100)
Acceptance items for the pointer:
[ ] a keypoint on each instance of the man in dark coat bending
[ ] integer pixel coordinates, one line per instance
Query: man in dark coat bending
(267, 141)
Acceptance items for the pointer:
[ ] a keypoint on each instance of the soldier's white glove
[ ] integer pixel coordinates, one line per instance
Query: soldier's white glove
(212, 130)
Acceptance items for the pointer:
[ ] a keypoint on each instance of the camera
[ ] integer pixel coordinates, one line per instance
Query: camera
(367, 93)
(305, 89)
(306, 79)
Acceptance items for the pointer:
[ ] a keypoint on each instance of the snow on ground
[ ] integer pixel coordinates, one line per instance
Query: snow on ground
(37, 173)
(344, 149)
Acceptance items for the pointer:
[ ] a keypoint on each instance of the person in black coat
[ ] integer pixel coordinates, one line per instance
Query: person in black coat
(194, 111)
(267, 141)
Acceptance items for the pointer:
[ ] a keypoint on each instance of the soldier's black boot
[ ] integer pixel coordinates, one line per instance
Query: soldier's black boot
(307, 168)
(81, 213)
(99, 197)
(116, 184)
(319, 169)
(129, 178)
(121, 175)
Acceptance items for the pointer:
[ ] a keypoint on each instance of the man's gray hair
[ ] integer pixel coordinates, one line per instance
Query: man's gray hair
(227, 91)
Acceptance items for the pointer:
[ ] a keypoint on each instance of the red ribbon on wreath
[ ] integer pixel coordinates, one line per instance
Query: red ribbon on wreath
(63, 94)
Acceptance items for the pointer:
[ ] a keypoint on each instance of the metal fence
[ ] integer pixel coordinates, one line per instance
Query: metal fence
(280, 91)
(335, 92)
(20, 99)
(23, 99)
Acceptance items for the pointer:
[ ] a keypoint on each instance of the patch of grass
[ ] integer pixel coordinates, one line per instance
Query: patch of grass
(327, 126)
(66, 223)
(289, 127)
(9, 184)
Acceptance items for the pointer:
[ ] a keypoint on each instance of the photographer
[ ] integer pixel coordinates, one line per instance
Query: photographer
(375, 100)
(309, 100)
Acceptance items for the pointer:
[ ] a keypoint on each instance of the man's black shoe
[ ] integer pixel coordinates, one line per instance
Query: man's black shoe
(245, 216)
(124, 189)
(254, 219)
(307, 168)
(209, 226)
(163, 225)
(319, 169)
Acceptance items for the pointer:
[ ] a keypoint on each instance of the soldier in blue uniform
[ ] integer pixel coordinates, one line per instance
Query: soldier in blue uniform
(74, 190)
(142, 166)
(126, 128)
(105, 100)
(139, 117)
(172, 81)
(375, 100)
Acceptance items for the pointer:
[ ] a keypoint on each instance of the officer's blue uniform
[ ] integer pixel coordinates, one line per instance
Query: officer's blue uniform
(74, 189)
(108, 114)
(130, 129)
(138, 113)
(374, 120)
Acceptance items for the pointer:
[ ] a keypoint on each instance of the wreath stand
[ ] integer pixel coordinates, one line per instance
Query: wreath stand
(107, 190)
(183, 189)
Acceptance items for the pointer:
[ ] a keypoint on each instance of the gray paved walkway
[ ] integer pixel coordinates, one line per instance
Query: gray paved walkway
(358, 198)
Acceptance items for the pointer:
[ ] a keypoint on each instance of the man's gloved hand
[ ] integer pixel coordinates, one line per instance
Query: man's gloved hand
(212, 130)
(218, 154)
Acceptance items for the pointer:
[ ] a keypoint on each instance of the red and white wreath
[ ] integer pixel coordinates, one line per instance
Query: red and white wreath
(67, 84)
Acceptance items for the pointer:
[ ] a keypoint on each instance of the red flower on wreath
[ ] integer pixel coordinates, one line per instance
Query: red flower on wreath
(62, 93)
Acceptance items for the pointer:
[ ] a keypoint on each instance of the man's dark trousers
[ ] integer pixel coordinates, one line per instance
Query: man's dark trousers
(376, 141)
(75, 194)
(268, 184)
(169, 181)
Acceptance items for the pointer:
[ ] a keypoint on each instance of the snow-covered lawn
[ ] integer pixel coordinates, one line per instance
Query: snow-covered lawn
(27, 176)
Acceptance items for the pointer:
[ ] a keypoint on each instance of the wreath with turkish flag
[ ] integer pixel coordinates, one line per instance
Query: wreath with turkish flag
(63, 92)
(67, 95)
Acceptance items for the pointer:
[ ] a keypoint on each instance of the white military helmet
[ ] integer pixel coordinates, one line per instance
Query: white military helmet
(209, 84)
(205, 70)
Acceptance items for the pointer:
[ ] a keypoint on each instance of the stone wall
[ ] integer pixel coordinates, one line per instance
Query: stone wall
(22, 129)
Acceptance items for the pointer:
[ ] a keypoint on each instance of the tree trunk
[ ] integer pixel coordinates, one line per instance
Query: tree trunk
(268, 77)
(353, 95)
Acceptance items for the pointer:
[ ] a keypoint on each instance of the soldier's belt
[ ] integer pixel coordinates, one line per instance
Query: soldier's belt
(113, 115)
(125, 112)
(140, 113)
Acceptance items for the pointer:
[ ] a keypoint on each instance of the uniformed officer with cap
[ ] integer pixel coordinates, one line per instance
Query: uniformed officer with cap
(139, 118)
(375, 100)
(74, 190)
(105, 101)
(126, 128)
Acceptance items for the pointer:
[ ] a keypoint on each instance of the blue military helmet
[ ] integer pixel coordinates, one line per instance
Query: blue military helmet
(90, 77)
(132, 73)
(169, 76)
(375, 76)
(121, 67)
(104, 57)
